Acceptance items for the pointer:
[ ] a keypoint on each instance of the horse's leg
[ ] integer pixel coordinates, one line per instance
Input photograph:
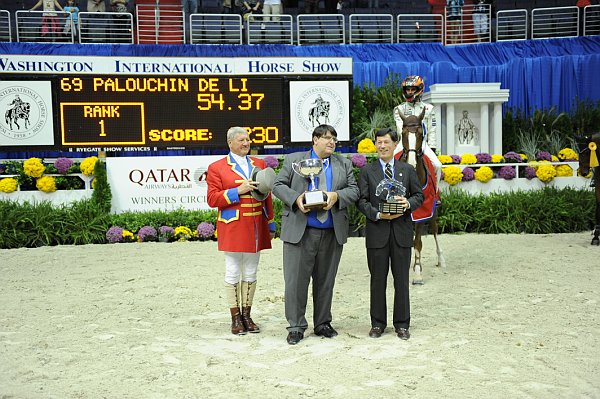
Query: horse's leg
(418, 244)
(438, 248)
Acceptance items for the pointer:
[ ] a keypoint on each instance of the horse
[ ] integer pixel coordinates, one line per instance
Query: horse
(589, 157)
(320, 110)
(412, 153)
(20, 111)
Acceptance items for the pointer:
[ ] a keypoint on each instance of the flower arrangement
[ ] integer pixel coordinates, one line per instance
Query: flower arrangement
(445, 159)
(482, 157)
(358, 160)
(563, 171)
(33, 167)
(8, 185)
(128, 236)
(114, 234)
(87, 165)
(468, 174)
(205, 230)
(507, 172)
(366, 145)
(63, 165)
(46, 184)
(529, 172)
(512, 157)
(456, 159)
(452, 175)
(484, 174)
(165, 233)
(147, 233)
(271, 161)
(183, 233)
(468, 159)
(545, 172)
(567, 154)
(543, 156)
(497, 158)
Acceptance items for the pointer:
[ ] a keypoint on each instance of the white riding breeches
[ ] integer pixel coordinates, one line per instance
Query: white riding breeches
(242, 264)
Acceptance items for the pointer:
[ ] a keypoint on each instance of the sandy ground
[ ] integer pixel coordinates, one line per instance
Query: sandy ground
(512, 316)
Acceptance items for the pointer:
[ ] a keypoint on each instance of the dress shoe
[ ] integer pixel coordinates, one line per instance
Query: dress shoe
(294, 337)
(325, 330)
(403, 333)
(375, 332)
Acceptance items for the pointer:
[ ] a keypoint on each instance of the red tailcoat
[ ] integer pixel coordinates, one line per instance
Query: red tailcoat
(243, 222)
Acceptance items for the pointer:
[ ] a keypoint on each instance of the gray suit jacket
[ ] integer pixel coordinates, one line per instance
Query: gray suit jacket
(378, 231)
(289, 186)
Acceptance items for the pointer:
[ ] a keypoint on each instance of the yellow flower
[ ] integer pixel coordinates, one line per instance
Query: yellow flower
(33, 167)
(564, 171)
(183, 233)
(128, 236)
(366, 146)
(468, 159)
(523, 157)
(452, 175)
(94, 182)
(567, 153)
(46, 184)
(87, 165)
(497, 158)
(484, 174)
(554, 158)
(445, 159)
(8, 185)
(545, 172)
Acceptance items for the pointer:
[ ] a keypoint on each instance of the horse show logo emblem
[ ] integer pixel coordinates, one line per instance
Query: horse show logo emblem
(317, 106)
(25, 113)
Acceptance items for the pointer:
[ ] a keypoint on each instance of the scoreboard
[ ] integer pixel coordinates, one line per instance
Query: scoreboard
(136, 103)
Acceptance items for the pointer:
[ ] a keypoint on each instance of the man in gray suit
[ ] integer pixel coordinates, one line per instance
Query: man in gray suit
(313, 240)
(389, 236)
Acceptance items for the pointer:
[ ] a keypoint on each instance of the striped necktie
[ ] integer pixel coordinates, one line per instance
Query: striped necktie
(388, 171)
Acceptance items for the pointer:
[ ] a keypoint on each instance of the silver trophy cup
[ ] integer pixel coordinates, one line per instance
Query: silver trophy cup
(309, 168)
(388, 190)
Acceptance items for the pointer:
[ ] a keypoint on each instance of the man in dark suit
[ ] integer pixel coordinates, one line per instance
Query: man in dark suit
(313, 240)
(389, 236)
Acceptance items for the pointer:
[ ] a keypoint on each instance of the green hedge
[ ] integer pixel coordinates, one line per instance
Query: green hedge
(546, 211)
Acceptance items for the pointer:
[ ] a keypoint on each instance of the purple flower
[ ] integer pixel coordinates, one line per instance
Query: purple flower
(63, 165)
(512, 157)
(507, 172)
(358, 160)
(166, 231)
(543, 156)
(456, 159)
(483, 157)
(271, 161)
(205, 230)
(529, 172)
(114, 234)
(147, 233)
(468, 174)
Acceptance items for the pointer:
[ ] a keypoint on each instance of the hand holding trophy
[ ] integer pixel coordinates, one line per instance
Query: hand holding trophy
(309, 168)
(390, 190)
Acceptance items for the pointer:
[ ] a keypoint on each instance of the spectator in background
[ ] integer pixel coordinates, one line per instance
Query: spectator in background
(96, 6)
(331, 6)
(72, 23)
(311, 6)
(96, 29)
(227, 7)
(582, 4)
(454, 20)
(49, 19)
(481, 20)
(272, 7)
(120, 29)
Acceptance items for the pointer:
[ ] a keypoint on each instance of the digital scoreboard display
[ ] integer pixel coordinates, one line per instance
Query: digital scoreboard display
(140, 103)
(168, 112)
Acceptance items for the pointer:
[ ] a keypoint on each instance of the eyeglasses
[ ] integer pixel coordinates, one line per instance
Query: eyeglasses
(330, 138)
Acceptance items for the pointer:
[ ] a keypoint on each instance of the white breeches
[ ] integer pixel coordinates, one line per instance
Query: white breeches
(242, 264)
(437, 165)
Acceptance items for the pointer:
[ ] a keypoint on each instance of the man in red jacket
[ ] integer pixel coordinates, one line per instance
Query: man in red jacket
(245, 223)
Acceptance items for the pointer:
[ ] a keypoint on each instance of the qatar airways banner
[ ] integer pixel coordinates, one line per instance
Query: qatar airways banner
(158, 183)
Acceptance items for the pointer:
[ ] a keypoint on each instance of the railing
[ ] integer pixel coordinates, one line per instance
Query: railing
(166, 25)
(371, 28)
(420, 28)
(471, 25)
(5, 27)
(320, 29)
(215, 29)
(270, 29)
(105, 27)
(511, 25)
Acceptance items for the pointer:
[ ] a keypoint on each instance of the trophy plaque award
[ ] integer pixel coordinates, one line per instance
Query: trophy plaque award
(309, 168)
(388, 190)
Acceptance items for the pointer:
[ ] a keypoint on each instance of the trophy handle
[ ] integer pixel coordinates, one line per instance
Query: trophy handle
(296, 167)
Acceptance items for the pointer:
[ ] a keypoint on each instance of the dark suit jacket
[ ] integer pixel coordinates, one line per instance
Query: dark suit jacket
(378, 231)
(289, 186)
